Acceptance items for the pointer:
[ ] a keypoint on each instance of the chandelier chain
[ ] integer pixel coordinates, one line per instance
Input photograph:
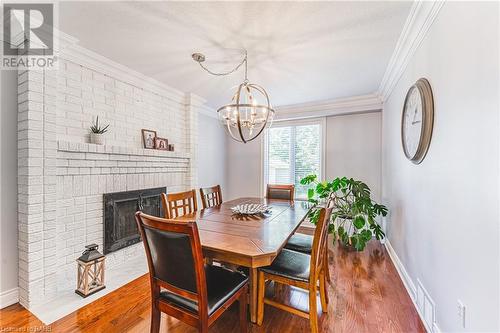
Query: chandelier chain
(244, 61)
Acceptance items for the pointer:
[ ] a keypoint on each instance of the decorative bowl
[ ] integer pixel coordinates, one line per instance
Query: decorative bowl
(250, 209)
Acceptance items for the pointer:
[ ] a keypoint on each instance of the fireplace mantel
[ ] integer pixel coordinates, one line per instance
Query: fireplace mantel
(79, 147)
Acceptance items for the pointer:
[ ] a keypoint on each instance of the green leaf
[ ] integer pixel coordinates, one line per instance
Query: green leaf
(358, 242)
(380, 209)
(359, 222)
(314, 201)
(345, 238)
(308, 179)
(377, 230)
(310, 193)
(335, 184)
(314, 216)
(341, 230)
(366, 235)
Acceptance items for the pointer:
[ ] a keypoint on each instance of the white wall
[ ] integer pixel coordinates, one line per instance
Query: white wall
(8, 185)
(353, 149)
(211, 153)
(444, 221)
(244, 167)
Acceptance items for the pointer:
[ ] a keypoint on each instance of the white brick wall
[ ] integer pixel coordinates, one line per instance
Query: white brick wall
(84, 94)
(62, 178)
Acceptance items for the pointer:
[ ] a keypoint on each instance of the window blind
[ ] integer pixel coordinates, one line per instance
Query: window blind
(293, 152)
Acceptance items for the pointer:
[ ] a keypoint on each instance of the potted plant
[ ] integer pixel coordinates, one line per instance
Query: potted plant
(96, 132)
(353, 217)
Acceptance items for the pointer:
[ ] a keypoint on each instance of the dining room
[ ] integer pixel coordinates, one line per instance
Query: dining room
(183, 166)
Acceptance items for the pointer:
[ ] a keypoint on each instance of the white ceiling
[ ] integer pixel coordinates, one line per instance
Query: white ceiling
(299, 51)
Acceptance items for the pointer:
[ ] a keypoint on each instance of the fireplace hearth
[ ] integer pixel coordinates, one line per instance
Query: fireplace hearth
(120, 229)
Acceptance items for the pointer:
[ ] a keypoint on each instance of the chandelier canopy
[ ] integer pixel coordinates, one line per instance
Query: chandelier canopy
(249, 111)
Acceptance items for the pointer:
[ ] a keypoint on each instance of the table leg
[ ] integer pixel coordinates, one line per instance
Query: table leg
(253, 294)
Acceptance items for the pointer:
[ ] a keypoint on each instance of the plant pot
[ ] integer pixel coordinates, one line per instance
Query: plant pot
(96, 138)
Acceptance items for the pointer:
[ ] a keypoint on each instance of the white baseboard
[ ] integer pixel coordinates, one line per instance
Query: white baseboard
(9, 297)
(409, 285)
(435, 328)
(403, 274)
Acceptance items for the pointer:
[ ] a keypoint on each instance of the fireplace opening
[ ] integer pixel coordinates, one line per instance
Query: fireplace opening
(120, 229)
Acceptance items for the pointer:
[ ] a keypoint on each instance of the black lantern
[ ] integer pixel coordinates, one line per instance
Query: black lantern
(90, 271)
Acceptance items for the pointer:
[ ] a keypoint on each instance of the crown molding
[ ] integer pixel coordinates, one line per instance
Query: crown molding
(71, 51)
(333, 107)
(208, 111)
(422, 15)
(85, 57)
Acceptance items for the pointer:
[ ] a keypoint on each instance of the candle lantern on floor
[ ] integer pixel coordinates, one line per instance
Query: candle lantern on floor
(90, 270)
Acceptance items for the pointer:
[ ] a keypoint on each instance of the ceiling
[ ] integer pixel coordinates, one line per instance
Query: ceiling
(299, 51)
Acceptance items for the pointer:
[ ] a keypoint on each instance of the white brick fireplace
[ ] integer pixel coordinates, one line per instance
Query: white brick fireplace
(62, 178)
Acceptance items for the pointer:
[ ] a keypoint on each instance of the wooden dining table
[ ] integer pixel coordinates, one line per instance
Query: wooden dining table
(250, 241)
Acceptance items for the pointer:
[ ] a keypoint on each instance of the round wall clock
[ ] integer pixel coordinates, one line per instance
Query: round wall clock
(417, 121)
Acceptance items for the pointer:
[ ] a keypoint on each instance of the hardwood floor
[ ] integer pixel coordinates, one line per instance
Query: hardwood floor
(367, 296)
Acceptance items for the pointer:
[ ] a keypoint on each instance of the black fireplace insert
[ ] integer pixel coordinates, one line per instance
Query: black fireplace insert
(120, 229)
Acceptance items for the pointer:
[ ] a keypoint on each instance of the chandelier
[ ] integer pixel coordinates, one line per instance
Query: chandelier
(249, 111)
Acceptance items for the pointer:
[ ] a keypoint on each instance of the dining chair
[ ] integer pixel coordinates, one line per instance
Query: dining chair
(303, 243)
(299, 270)
(182, 286)
(211, 196)
(283, 192)
(178, 204)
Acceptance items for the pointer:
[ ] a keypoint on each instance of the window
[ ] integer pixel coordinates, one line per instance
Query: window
(293, 151)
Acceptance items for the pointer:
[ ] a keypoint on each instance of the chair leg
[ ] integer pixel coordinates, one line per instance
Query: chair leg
(322, 292)
(313, 310)
(155, 319)
(260, 298)
(327, 298)
(243, 311)
(203, 327)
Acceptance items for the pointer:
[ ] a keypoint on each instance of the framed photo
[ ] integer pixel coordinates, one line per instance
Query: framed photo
(161, 144)
(148, 138)
(171, 147)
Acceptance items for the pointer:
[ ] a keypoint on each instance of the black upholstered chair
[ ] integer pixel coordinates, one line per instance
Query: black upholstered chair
(182, 286)
(299, 270)
(303, 243)
(300, 243)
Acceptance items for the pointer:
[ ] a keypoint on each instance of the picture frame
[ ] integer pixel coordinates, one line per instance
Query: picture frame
(171, 147)
(161, 143)
(148, 138)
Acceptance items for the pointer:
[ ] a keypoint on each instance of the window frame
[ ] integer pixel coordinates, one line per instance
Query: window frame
(285, 123)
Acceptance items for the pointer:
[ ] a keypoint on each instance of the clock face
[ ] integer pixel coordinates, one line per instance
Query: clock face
(412, 122)
(417, 121)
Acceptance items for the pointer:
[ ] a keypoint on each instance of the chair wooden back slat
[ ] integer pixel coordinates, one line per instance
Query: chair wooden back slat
(155, 233)
(178, 204)
(320, 242)
(280, 191)
(211, 196)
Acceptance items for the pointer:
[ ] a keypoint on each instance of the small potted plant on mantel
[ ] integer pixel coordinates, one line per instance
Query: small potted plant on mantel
(354, 212)
(96, 132)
